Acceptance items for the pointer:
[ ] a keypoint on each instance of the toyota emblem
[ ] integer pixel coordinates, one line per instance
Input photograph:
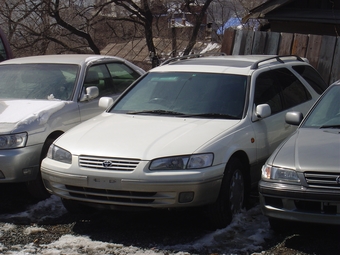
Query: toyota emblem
(337, 180)
(107, 164)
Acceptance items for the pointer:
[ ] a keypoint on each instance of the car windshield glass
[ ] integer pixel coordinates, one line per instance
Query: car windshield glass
(38, 81)
(202, 95)
(326, 113)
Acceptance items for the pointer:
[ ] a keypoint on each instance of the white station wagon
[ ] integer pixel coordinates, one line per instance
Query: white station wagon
(41, 97)
(193, 132)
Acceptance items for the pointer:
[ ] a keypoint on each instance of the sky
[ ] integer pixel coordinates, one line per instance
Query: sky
(246, 234)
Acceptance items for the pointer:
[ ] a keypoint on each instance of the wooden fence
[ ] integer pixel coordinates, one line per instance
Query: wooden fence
(323, 52)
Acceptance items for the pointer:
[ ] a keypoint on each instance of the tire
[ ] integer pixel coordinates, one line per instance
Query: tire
(231, 198)
(279, 225)
(36, 187)
(73, 207)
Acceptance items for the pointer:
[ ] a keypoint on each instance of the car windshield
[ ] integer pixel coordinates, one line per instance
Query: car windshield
(37, 81)
(186, 94)
(326, 114)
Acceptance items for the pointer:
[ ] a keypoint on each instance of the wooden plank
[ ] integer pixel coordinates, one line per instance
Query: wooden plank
(239, 42)
(335, 72)
(228, 41)
(259, 42)
(326, 56)
(313, 49)
(272, 45)
(249, 42)
(299, 46)
(286, 43)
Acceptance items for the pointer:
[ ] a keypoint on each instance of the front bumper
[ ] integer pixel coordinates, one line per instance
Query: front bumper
(19, 165)
(139, 188)
(298, 203)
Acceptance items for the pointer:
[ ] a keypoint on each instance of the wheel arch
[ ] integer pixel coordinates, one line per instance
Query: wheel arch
(244, 159)
(48, 141)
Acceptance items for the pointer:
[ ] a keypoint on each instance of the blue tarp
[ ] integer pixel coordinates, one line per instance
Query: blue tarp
(236, 23)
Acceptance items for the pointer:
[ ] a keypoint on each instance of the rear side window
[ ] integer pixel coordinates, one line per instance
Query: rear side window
(281, 89)
(312, 77)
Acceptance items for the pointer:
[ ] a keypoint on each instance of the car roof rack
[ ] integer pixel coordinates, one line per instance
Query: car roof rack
(254, 66)
(199, 55)
(278, 58)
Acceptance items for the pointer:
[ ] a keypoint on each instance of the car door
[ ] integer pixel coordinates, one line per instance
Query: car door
(283, 92)
(111, 79)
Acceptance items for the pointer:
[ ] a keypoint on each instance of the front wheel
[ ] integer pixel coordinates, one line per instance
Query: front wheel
(73, 207)
(279, 225)
(231, 198)
(36, 187)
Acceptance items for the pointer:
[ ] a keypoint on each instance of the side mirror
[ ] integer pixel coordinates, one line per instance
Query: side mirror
(263, 111)
(294, 118)
(91, 93)
(105, 102)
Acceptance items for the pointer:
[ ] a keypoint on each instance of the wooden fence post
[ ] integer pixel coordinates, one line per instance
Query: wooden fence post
(326, 56)
(335, 72)
(286, 44)
(300, 43)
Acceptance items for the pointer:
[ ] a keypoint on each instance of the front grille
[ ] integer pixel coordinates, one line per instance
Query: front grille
(102, 195)
(323, 180)
(116, 164)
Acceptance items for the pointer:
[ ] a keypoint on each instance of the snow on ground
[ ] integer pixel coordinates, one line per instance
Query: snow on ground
(246, 234)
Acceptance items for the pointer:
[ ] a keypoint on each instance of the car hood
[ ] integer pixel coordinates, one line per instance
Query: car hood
(16, 113)
(142, 137)
(310, 149)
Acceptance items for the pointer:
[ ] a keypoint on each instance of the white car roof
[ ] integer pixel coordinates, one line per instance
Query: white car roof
(78, 59)
(235, 64)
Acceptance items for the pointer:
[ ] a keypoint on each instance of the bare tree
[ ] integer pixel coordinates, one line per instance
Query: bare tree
(64, 26)
(199, 15)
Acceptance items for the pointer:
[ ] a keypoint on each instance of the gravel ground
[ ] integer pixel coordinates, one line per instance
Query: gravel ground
(144, 230)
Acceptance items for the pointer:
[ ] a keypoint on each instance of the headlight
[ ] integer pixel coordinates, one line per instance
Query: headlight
(59, 154)
(279, 174)
(13, 141)
(183, 162)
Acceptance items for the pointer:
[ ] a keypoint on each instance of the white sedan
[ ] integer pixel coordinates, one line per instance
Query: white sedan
(193, 132)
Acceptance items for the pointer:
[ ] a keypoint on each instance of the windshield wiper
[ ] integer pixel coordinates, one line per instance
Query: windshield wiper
(212, 115)
(331, 126)
(156, 112)
(165, 112)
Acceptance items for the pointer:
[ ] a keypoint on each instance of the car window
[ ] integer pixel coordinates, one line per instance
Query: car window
(112, 78)
(38, 81)
(294, 92)
(312, 77)
(267, 91)
(187, 93)
(281, 89)
(122, 76)
(99, 76)
(327, 111)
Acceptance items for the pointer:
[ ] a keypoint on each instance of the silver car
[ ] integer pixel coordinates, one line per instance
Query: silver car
(41, 97)
(301, 179)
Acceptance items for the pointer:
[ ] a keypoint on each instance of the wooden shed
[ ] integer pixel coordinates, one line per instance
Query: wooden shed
(318, 17)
